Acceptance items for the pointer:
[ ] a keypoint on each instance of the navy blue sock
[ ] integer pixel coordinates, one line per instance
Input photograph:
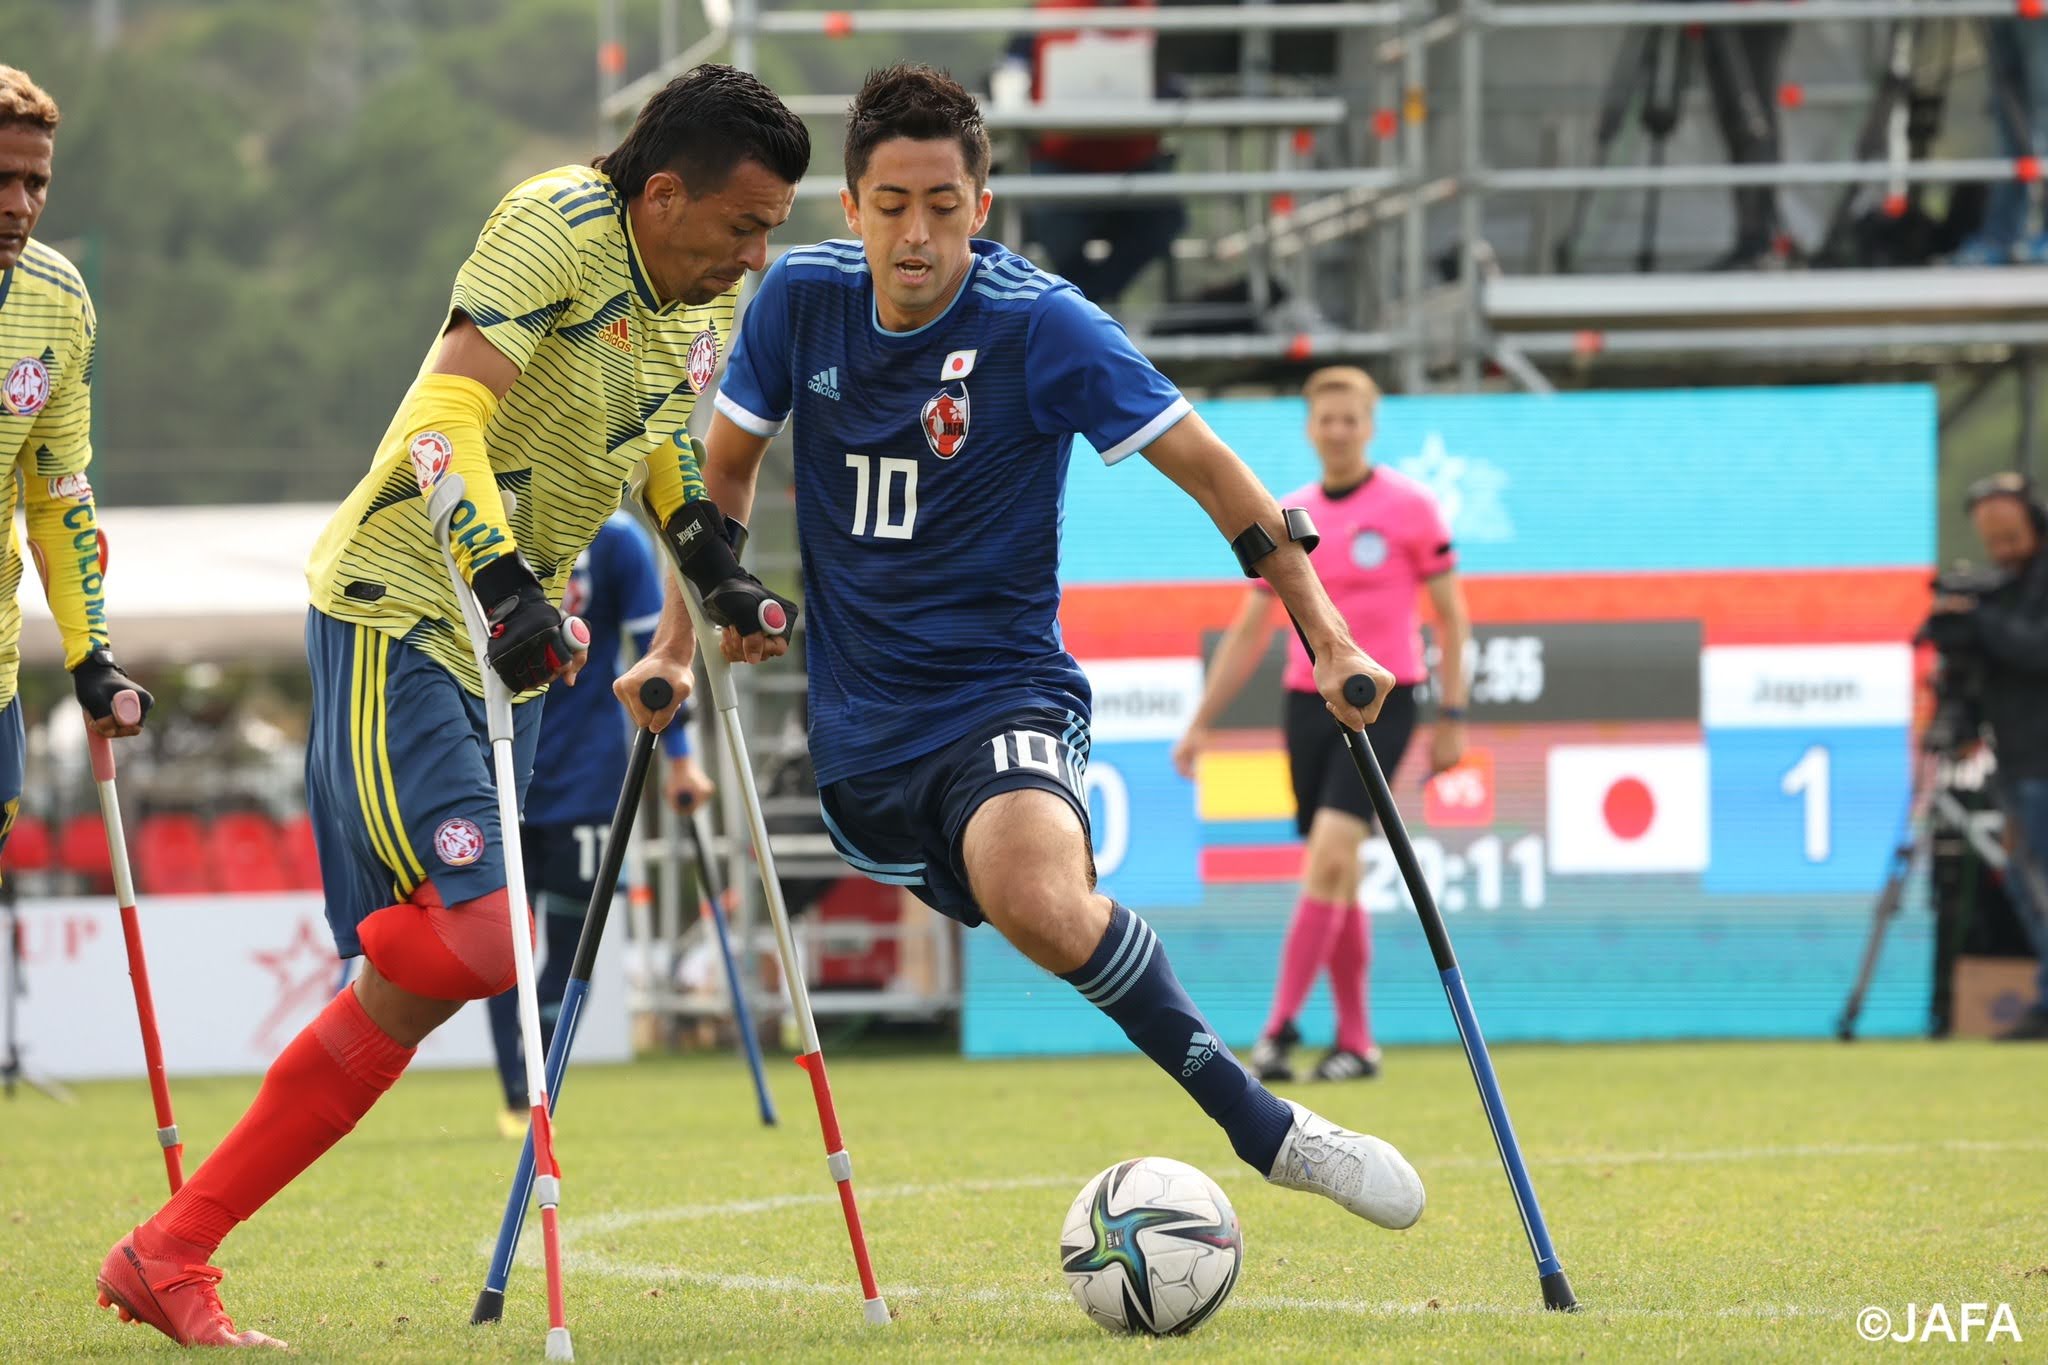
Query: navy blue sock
(1129, 979)
(562, 933)
(504, 1013)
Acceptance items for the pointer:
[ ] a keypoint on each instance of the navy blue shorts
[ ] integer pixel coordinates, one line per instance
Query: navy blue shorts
(398, 776)
(561, 860)
(13, 745)
(903, 825)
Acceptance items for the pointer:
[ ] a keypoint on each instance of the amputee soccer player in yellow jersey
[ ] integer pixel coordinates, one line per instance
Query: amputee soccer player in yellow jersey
(46, 343)
(582, 329)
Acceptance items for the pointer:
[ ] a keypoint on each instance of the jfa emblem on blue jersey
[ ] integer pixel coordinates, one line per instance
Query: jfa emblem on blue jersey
(945, 420)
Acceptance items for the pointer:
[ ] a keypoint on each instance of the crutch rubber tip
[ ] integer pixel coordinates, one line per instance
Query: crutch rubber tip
(490, 1307)
(1358, 690)
(1557, 1293)
(876, 1312)
(558, 1344)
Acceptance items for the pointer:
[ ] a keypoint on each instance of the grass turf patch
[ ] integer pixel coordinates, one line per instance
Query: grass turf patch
(1715, 1201)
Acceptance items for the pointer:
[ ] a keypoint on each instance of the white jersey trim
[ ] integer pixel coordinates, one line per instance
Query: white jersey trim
(747, 421)
(1143, 436)
(640, 623)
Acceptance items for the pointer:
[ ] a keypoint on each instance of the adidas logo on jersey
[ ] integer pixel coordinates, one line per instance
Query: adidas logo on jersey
(825, 383)
(1201, 1047)
(616, 336)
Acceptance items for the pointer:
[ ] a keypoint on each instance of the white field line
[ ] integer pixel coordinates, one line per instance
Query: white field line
(648, 1273)
(589, 1262)
(738, 1208)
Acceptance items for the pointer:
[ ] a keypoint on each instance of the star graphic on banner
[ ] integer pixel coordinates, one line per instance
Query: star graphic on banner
(305, 972)
(1470, 490)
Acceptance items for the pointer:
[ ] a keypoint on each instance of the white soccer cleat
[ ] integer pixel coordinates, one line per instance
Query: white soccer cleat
(1363, 1173)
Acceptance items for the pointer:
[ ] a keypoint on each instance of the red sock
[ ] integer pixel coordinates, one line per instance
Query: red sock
(1309, 939)
(320, 1085)
(1349, 958)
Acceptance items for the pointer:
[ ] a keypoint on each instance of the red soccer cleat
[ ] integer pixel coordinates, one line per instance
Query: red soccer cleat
(172, 1293)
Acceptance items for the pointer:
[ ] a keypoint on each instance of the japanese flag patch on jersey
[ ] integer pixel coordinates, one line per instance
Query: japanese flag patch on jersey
(944, 420)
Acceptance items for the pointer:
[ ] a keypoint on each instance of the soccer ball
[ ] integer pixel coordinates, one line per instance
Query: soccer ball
(1151, 1246)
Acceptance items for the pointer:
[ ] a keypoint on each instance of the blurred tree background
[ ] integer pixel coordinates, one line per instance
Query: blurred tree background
(270, 198)
(270, 201)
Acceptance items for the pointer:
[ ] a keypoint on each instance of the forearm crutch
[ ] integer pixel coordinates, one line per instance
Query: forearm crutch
(446, 500)
(655, 695)
(719, 673)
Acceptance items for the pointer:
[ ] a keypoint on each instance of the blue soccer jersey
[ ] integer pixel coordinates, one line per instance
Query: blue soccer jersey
(584, 734)
(931, 468)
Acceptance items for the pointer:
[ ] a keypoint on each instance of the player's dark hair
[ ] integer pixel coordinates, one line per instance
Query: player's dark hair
(918, 102)
(704, 123)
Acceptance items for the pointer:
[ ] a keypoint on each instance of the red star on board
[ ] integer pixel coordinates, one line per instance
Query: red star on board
(305, 974)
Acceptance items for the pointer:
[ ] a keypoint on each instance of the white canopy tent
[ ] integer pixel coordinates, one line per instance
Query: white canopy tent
(192, 584)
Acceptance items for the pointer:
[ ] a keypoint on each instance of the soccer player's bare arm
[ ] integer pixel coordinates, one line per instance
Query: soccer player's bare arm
(1237, 658)
(1454, 627)
(1208, 471)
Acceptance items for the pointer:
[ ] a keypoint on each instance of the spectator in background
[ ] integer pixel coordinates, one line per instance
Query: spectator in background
(1743, 63)
(1076, 69)
(2016, 61)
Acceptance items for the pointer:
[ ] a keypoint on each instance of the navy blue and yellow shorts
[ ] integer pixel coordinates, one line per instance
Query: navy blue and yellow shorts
(13, 745)
(398, 776)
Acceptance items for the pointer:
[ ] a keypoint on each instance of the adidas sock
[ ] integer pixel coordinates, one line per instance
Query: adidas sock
(320, 1085)
(1129, 979)
(1350, 958)
(1310, 936)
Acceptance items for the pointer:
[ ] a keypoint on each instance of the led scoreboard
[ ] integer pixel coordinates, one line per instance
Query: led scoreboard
(1692, 699)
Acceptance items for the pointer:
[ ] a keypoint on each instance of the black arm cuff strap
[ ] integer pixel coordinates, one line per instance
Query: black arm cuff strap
(1255, 542)
(736, 536)
(698, 530)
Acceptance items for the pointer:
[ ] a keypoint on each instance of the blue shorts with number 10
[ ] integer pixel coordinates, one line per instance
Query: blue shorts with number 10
(903, 825)
(398, 776)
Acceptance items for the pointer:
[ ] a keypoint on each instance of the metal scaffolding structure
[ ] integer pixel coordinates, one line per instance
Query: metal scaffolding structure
(1405, 211)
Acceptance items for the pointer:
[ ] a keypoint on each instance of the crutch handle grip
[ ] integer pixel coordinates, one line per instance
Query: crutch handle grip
(656, 694)
(127, 708)
(1359, 690)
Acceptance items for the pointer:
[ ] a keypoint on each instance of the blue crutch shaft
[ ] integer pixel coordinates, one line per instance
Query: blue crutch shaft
(742, 1013)
(655, 695)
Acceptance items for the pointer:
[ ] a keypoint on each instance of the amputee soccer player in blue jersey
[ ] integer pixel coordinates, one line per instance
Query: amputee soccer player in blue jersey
(579, 764)
(580, 332)
(937, 383)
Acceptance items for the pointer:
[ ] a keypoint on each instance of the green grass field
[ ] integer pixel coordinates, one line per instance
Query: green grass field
(1716, 1202)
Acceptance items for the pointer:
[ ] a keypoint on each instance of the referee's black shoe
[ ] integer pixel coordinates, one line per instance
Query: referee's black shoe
(1341, 1064)
(1269, 1055)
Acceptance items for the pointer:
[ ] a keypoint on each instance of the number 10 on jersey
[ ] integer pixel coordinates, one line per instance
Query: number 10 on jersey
(889, 483)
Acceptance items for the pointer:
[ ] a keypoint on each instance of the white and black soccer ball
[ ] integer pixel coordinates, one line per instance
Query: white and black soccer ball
(1151, 1245)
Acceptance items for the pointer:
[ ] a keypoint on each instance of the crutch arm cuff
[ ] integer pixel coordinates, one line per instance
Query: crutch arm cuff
(1255, 542)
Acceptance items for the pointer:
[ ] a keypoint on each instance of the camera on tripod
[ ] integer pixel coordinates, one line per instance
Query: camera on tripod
(1959, 665)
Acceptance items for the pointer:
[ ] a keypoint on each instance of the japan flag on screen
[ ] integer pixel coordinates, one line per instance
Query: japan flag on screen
(1628, 808)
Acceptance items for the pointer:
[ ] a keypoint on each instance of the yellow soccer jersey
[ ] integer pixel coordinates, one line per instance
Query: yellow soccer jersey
(46, 348)
(608, 377)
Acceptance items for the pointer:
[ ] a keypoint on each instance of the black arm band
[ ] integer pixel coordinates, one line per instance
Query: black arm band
(1255, 542)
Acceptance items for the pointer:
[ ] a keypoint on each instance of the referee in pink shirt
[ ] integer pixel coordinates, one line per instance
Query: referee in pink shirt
(1383, 539)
